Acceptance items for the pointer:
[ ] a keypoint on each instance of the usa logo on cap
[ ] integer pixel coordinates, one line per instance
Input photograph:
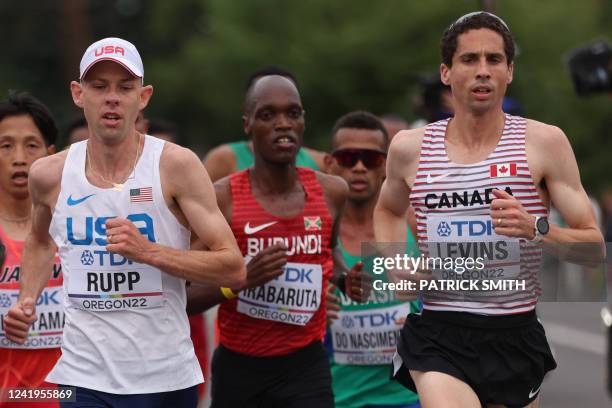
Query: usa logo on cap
(113, 49)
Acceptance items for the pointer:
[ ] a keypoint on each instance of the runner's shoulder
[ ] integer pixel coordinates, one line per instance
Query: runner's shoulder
(220, 161)
(316, 155)
(45, 175)
(221, 152)
(407, 142)
(177, 158)
(544, 136)
(334, 188)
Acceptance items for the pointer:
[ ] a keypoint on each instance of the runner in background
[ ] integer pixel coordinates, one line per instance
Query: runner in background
(27, 132)
(77, 130)
(393, 123)
(231, 157)
(164, 129)
(364, 336)
(284, 218)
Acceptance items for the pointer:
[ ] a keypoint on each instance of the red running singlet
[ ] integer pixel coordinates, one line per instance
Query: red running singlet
(29, 365)
(287, 313)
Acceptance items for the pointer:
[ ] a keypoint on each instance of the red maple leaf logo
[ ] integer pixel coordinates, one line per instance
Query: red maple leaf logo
(503, 169)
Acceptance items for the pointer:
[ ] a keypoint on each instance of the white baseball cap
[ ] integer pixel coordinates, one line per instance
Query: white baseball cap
(113, 49)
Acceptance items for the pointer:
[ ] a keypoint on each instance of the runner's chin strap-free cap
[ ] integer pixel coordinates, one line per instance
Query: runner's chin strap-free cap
(113, 49)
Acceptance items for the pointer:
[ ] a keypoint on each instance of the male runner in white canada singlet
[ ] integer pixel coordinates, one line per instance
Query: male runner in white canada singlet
(482, 179)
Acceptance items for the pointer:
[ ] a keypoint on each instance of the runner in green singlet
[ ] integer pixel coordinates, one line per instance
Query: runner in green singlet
(363, 336)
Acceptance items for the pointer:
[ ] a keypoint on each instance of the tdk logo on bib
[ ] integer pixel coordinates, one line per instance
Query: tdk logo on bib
(80, 231)
(5, 300)
(461, 228)
(347, 322)
(376, 319)
(87, 257)
(50, 297)
(301, 275)
(465, 228)
(444, 229)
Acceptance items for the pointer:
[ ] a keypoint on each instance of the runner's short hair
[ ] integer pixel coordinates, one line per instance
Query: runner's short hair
(21, 103)
(360, 120)
(475, 21)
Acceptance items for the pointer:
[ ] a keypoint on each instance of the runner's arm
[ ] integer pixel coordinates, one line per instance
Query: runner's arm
(317, 156)
(263, 267)
(187, 182)
(37, 259)
(582, 240)
(336, 191)
(393, 201)
(562, 179)
(551, 158)
(39, 251)
(200, 298)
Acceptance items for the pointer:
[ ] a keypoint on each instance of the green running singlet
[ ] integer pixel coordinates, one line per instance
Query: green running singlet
(354, 385)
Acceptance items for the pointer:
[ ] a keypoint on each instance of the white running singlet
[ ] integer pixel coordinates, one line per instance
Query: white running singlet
(452, 203)
(126, 329)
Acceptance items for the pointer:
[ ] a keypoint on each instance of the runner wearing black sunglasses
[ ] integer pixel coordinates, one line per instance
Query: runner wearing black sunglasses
(370, 158)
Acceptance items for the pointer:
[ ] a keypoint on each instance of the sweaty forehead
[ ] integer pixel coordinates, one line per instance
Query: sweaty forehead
(479, 41)
(273, 90)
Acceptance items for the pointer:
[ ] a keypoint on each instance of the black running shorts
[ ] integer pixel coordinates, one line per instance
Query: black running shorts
(503, 358)
(297, 380)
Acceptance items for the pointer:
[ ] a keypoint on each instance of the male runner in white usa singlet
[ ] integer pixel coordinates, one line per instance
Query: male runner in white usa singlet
(120, 207)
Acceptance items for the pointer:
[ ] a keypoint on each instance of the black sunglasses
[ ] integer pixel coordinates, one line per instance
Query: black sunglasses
(348, 158)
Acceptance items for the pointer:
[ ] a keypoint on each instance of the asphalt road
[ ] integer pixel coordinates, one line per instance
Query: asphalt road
(576, 334)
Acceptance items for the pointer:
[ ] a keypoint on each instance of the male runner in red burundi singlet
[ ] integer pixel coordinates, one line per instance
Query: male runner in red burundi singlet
(284, 218)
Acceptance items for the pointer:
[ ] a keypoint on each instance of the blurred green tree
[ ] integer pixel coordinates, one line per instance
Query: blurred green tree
(346, 55)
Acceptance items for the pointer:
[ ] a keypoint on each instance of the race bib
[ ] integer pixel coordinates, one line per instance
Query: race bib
(368, 336)
(46, 331)
(100, 281)
(477, 252)
(291, 298)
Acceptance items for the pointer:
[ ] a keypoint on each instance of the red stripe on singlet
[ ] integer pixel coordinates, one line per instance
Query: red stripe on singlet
(258, 337)
(510, 149)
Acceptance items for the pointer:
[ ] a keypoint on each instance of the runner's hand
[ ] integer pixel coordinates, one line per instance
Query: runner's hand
(333, 303)
(266, 265)
(358, 284)
(510, 218)
(18, 320)
(402, 276)
(123, 238)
